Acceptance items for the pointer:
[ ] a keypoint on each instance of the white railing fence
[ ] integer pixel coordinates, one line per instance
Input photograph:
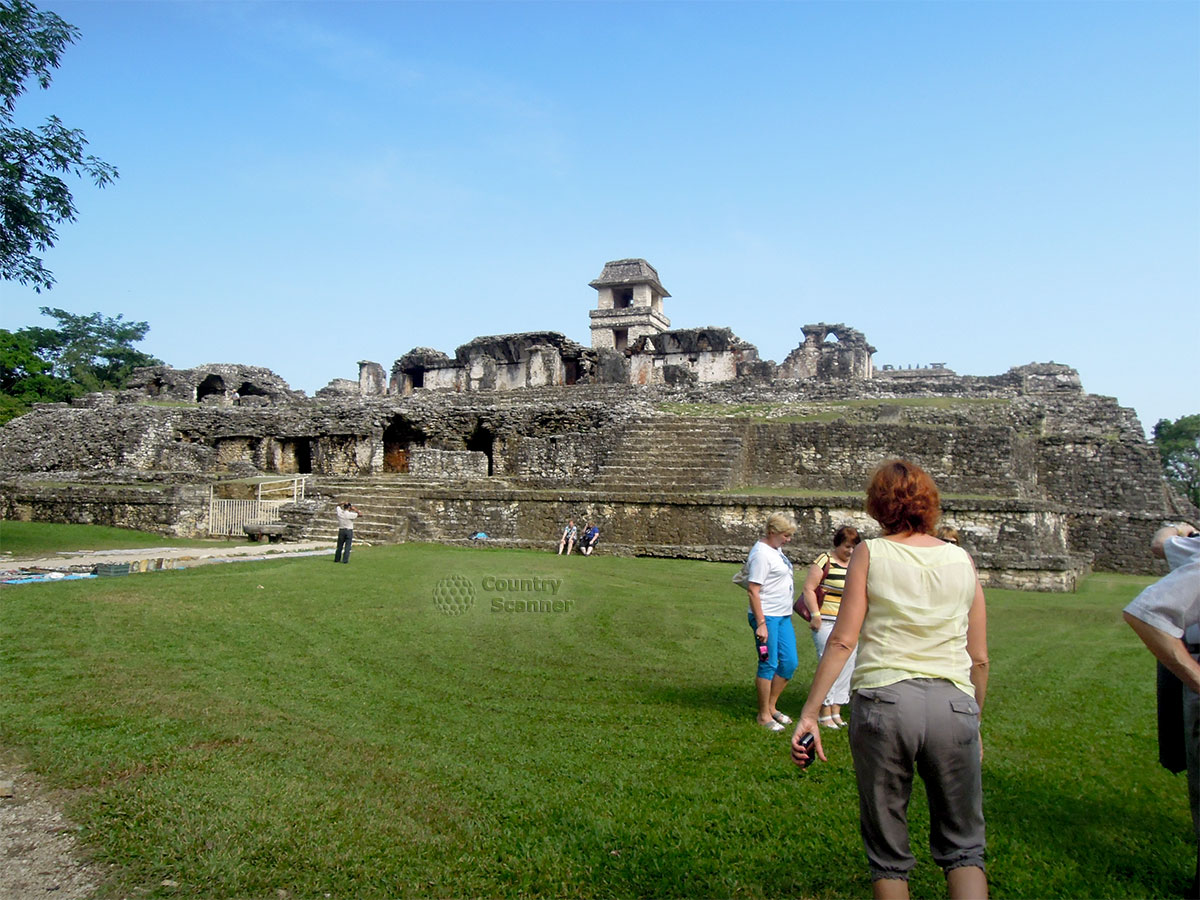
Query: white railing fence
(226, 517)
(290, 489)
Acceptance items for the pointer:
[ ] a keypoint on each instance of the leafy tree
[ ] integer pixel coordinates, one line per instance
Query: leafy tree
(33, 197)
(85, 353)
(94, 352)
(1178, 445)
(25, 378)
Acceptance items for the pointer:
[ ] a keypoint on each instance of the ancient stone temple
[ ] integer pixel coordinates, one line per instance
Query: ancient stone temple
(675, 442)
(629, 304)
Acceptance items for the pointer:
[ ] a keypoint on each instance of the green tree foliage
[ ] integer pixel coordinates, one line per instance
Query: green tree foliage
(94, 352)
(1178, 445)
(34, 198)
(84, 353)
(25, 378)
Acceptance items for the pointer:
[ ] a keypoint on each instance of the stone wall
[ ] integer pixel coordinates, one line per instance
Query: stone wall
(984, 460)
(1013, 543)
(571, 459)
(175, 510)
(448, 465)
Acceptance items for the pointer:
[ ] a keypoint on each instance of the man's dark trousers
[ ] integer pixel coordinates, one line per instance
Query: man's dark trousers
(345, 539)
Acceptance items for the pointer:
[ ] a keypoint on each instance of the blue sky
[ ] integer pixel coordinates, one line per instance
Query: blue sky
(307, 185)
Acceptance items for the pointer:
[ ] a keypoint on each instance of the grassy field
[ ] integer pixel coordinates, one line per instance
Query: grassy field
(45, 538)
(300, 729)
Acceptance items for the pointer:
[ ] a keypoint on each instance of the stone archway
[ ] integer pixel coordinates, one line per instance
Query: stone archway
(212, 385)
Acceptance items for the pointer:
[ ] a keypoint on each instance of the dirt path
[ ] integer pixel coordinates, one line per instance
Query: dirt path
(39, 855)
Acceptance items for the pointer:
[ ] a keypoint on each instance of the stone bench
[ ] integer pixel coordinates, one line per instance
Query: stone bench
(272, 530)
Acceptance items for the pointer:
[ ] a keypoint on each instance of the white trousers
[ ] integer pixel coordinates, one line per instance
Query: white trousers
(839, 693)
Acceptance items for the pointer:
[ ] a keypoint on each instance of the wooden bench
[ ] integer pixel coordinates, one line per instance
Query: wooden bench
(272, 530)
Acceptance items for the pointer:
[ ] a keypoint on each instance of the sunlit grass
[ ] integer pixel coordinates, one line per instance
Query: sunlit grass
(23, 539)
(299, 727)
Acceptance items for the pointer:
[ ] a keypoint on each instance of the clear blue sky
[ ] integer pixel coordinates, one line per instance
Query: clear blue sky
(307, 185)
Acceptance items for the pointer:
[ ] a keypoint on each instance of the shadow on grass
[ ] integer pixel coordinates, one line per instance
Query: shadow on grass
(732, 700)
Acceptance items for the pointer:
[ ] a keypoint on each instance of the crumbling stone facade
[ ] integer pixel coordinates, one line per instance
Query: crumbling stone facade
(215, 383)
(678, 443)
(632, 343)
(829, 352)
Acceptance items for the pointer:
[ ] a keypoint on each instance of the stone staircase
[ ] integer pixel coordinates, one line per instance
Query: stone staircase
(674, 454)
(389, 503)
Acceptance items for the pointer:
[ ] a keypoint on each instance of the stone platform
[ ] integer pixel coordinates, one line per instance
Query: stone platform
(155, 559)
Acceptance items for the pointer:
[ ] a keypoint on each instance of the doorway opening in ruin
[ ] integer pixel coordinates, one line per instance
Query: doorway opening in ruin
(301, 452)
(570, 371)
(416, 378)
(213, 384)
(482, 440)
(251, 390)
(399, 438)
(621, 339)
(622, 298)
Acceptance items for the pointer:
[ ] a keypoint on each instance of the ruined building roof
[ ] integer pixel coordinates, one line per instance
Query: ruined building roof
(510, 348)
(709, 339)
(423, 358)
(629, 271)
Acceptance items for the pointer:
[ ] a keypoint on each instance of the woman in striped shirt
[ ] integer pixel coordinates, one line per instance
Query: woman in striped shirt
(829, 574)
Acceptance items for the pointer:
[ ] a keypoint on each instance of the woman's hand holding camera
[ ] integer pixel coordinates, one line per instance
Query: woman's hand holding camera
(806, 742)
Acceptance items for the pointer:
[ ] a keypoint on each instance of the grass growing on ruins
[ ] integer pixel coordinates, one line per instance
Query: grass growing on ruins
(865, 410)
(768, 490)
(297, 728)
(24, 539)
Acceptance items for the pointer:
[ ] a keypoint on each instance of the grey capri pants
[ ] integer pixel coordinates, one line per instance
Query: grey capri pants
(929, 723)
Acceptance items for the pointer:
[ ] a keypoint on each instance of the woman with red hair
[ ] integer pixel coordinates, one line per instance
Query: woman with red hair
(914, 609)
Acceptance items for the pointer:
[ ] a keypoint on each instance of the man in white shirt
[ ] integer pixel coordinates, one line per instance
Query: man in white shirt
(1166, 616)
(346, 514)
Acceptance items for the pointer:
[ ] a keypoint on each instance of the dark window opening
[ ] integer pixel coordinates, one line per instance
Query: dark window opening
(251, 390)
(622, 298)
(621, 338)
(213, 384)
(571, 371)
(481, 440)
(417, 377)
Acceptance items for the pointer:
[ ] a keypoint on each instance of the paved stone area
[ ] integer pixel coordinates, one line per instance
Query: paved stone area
(152, 559)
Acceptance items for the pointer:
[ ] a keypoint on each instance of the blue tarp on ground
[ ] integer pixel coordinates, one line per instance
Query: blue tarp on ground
(42, 577)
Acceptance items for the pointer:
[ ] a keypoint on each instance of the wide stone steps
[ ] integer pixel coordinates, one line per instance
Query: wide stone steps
(388, 503)
(677, 454)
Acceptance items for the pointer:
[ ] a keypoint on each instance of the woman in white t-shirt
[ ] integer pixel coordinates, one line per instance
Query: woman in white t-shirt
(772, 590)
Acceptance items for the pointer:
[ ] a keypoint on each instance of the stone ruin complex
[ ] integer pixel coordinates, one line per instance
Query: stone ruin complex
(675, 442)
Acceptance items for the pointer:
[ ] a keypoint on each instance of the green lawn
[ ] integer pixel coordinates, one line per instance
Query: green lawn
(45, 538)
(294, 728)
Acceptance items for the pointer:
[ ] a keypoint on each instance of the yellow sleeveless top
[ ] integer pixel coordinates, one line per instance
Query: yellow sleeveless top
(918, 599)
(834, 583)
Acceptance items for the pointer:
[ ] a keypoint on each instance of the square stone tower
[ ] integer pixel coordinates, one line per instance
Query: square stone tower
(630, 304)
